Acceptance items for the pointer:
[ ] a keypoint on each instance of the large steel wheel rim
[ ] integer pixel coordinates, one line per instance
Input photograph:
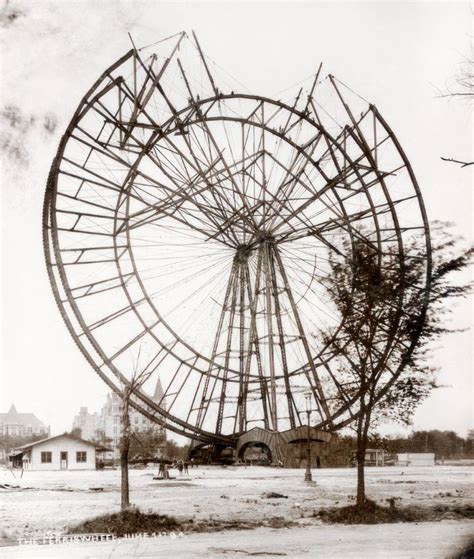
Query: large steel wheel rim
(256, 250)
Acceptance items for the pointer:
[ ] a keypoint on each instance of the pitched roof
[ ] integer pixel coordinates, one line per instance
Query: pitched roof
(158, 395)
(12, 417)
(67, 435)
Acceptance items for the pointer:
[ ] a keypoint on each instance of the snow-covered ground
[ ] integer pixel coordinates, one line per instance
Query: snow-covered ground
(55, 500)
(431, 540)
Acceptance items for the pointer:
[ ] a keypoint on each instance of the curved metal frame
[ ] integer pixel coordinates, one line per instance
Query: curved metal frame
(239, 292)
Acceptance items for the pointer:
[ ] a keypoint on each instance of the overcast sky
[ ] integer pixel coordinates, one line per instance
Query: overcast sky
(394, 54)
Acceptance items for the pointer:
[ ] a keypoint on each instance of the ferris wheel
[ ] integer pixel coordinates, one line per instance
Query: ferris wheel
(189, 227)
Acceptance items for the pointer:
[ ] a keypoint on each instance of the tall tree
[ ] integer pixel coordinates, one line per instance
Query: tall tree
(384, 329)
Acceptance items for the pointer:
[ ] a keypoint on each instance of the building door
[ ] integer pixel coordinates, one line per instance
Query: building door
(63, 457)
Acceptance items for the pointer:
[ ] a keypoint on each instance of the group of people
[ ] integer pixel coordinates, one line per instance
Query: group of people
(181, 465)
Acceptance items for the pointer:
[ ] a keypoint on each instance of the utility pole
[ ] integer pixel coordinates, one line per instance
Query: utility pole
(307, 475)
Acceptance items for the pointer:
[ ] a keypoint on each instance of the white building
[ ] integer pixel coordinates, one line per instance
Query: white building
(415, 459)
(63, 452)
(375, 457)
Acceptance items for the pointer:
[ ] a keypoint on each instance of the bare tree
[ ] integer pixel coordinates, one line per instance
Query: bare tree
(461, 88)
(137, 380)
(378, 338)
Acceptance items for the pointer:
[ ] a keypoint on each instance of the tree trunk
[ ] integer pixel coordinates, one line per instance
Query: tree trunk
(363, 424)
(125, 488)
(361, 474)
(125, 503)
(360, 455)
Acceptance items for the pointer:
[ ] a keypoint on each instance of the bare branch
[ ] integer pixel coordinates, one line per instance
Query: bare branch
(462, 163)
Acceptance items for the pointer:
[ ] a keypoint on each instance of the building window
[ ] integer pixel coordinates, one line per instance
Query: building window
(46, 458)
(81, 456)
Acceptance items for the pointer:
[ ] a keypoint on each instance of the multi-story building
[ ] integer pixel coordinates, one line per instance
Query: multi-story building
(107, 426)
(90, 424)
(16, 424)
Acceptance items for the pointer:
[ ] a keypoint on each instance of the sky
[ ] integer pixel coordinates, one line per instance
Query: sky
(397, 55)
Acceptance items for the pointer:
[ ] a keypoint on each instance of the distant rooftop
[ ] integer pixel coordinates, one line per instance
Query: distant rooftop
(157, 394)
(98, 446)
(158, 391)
(12, 417)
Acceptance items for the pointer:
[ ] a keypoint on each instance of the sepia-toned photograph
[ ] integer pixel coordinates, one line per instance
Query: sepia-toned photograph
(236, 269)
